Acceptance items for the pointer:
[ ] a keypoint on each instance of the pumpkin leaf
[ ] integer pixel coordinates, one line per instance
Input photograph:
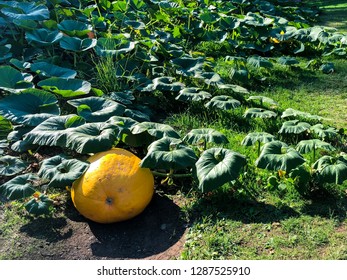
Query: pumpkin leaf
(3, 145)
(52, 132)
(10, 165)
(26, 11)
(30, 107)
(294, 127)
(76, 44)
(19, 187)
(47, 70)
(324, 133)
(167, 84)
(259, 113)
(290, 112)
(66, 87)
(193, 94)
(306, 146)
(258, 61)
(39, 205)
(125, 97)
(169, 153)
(97, 109)
(187, 65)
(284, 60)
(332, 169)
(43, 37)
(158, 130)
(207, 135)
(91, 137)
(223, 102)
(12, 80)
(277, 155)
(74, 28)
(217, 166)
(263, 99)
(254, 137)
(60, 171)
(137, 115)
(137, 25)
(114, 47)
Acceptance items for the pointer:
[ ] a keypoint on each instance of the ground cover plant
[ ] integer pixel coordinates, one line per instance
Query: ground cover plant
(203, 92)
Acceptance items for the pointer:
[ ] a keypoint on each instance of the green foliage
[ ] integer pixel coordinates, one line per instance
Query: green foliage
(124, 68)
(218, 166)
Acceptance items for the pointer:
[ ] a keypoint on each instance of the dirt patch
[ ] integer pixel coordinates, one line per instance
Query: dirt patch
(157, 233)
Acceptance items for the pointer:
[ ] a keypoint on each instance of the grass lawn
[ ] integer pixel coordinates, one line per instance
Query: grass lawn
(333, 13)
(250, 217)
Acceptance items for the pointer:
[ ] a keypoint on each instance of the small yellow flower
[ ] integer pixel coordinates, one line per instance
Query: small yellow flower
(282, 32)
(274, 40)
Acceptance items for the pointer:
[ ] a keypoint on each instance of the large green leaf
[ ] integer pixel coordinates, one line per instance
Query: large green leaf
(19, 187)
(39, 205)
(324, 133)
(115, 47)
(332, 169)
(285, 60)
(217, 166)
(258, 61)
(257, 20)
(76, 44)
(134, 24)
(66, 87)
(137, 115)
(223, 102)
(91, 137)
(47, 70)
(306, 146)
(43, 37)
(61, 171)
(193, 94)
(188, 66)
(30, 107)
(97, 109)
(263, 99)
(52, 132)
(259, 113)
(12, 80)
(294, 127)
(26, 11)
(228, 23)
(158, 130)
(210, 78)
(257, 137)
(277, 155)
(169, 153)
(10, 165)
(74, 28)
(3, 145)
(124, 97)
(205, 135)
(290, 112)
(5, 52)
(167, 84)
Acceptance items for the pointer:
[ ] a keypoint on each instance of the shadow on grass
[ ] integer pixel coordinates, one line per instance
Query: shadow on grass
(246, 210)
(251, 211)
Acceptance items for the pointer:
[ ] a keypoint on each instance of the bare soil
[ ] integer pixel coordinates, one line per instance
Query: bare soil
(157, 233)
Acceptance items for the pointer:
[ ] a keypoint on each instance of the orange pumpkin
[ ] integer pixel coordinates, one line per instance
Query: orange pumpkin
(114, 188)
